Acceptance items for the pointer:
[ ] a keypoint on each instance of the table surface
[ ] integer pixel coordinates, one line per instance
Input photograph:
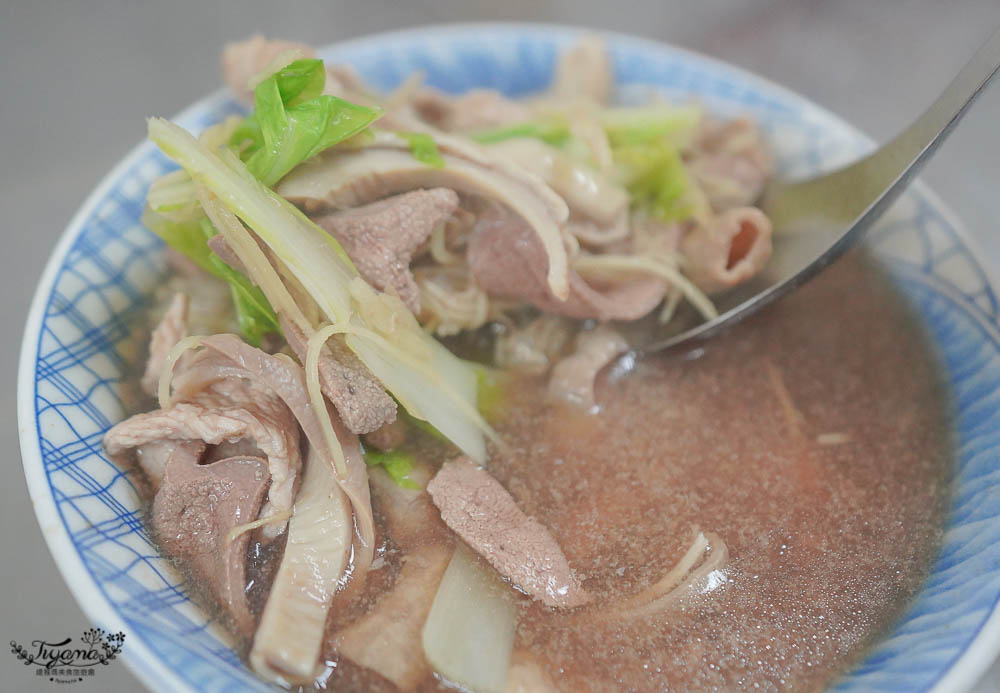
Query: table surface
(79, 78)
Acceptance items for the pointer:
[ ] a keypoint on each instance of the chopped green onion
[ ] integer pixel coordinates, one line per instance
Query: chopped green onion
(645, 124)
(490, 391)
(654, 175)
(423, 148)
(397, 465)
(555, 132)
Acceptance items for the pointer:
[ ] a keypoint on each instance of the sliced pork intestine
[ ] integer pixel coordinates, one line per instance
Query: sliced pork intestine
(729, 250)
(572, 378)
(598, 206)
(288, 640)
(729, 162)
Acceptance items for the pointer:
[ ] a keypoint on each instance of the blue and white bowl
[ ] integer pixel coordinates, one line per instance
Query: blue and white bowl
(79, 347)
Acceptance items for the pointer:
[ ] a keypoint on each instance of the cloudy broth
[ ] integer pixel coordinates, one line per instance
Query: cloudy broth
(813, 439)
(831, 510)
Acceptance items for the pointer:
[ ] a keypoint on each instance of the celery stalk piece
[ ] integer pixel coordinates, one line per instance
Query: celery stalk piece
(429, 381)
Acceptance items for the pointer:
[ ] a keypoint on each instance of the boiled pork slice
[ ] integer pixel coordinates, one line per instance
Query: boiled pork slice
(572, 379)
(506, 260)
(172, 328)
(381, 237)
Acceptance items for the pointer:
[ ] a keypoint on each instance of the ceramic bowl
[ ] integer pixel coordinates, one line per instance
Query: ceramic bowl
(80, 346)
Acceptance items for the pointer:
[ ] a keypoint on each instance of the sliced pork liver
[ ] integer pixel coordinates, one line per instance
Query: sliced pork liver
(477, 508)
(386, 167)
(388, 436)
(381, 237)
(360, 400)
(194, 511)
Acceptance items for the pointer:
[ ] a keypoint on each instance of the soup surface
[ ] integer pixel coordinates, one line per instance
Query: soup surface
(813, 440)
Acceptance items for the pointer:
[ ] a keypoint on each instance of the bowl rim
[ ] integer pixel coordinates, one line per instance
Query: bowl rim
(965, 669)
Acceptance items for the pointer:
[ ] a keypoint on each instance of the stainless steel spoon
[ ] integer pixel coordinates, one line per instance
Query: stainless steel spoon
(817, 219)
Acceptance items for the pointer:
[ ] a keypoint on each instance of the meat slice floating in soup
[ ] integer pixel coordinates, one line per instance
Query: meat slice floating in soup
(530, 505)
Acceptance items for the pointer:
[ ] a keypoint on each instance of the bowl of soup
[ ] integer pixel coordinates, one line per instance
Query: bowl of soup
(807, 501)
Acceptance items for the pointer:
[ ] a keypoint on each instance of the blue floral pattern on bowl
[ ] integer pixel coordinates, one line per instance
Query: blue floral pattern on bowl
(80, 346)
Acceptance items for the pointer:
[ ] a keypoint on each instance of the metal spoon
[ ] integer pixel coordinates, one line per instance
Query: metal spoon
(817, 219)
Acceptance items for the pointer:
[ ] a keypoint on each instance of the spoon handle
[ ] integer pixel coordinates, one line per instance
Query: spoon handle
(860, 191)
